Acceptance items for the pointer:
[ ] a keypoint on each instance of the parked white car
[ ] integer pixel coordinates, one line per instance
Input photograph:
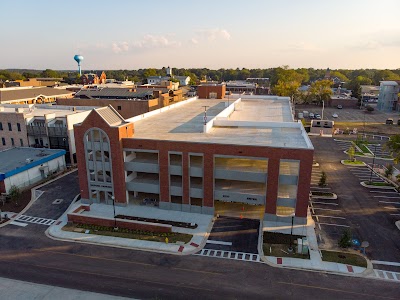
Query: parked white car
(335, 115)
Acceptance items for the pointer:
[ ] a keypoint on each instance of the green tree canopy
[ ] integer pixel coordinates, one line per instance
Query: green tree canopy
(321, 90)
(393, 146)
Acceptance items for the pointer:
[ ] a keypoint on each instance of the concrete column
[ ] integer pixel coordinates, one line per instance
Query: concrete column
(164, 176)
(272, 186)
(185, 179)
(208, 180)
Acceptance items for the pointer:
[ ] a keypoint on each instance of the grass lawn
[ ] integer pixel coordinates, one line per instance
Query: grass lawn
(130, 234)
(356, 162)
(322, 194)
(378, 183)
(281, 250)
(370, 127)
(344, 258)
(279, 243)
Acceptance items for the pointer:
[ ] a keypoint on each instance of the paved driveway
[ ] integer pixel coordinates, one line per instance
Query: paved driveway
(64, 189)
(240, 235)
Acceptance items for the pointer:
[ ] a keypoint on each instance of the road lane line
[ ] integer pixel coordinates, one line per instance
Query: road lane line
(389, 202)
(387, 197)
(327, 209)
(219, 242)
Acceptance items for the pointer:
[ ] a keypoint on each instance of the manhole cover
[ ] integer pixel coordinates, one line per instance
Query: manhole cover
(58, 201)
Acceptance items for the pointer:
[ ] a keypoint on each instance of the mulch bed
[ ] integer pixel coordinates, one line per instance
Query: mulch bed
(172, 223)
(279, 238)
(22, 203)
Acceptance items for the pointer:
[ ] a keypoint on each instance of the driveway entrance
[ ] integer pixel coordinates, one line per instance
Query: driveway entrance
(239, 210)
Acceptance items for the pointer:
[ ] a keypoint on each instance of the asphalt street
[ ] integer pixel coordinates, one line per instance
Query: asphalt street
(27, 254)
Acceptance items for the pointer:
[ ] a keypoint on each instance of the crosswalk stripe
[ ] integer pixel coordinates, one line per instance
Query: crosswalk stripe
(36, 220)
(230, 255)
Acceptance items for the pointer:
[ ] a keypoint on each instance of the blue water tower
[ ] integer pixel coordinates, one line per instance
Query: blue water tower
(78, 59)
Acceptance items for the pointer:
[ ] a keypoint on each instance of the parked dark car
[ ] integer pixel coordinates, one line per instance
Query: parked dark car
(389, 121)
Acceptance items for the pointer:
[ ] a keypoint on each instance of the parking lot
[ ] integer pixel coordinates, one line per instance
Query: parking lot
(369, 213)
(349, 114)
(328, 215)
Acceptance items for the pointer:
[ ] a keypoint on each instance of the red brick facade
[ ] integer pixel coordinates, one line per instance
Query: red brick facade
(204, 91)
(122, 137)
(209, 150)
(115, 134)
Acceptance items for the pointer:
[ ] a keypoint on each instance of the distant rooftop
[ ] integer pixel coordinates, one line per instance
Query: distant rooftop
(20, 93)
(256, 121)
(41, 110)
(117, 93)
(17, 160)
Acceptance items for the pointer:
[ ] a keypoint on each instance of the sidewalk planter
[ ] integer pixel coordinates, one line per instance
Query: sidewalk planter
(120, 223)
(323, 195)
(348, 258)
(383, 187)
(346, 163)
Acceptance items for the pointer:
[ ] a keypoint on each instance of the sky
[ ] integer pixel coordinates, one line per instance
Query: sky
(123, 34)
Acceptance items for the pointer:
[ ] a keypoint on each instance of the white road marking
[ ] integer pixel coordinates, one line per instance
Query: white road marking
(18, 223)
(219, 243)
(327, 209)
(329, 224)
(381, 192)
(389, 202)
(324, 203)
(388, 197)
(334, 217)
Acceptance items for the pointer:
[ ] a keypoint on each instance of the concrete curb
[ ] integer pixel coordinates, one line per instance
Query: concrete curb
(353, 165)
(33, 199)
(378, 187)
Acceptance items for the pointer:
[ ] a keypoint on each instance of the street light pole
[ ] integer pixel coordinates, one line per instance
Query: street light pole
(373, 163)
(291, 237)
(115, 219)
(323, 107)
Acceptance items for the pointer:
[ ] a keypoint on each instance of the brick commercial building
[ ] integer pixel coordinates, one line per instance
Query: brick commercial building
(129, 102)
(40, 126)
(250, 152)
(211, 91)
(32, 95)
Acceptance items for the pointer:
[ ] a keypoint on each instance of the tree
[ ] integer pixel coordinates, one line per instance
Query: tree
(389, 171)
(393, 146)
(351, 152)
(322, 180)
(345, 240)
(15, 194)
(369, 108)
(321, 90)
(286, 82)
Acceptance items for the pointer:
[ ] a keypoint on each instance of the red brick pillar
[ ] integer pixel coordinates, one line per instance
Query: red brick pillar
(164, 176)
(303, 189)
(208, 180)
(185, 179)
(272, 185)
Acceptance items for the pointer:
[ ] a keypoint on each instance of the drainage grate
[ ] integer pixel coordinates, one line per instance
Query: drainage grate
(58, 201)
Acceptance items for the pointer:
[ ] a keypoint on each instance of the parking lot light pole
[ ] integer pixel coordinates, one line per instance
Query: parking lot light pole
(323, 107)
(373, 163)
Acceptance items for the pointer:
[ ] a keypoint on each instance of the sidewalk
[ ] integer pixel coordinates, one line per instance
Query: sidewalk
(200, 234)
(16, 289)
(315, 262)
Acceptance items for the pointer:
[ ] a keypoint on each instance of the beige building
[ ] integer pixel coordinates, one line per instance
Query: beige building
(32, 95)
(40, 126)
